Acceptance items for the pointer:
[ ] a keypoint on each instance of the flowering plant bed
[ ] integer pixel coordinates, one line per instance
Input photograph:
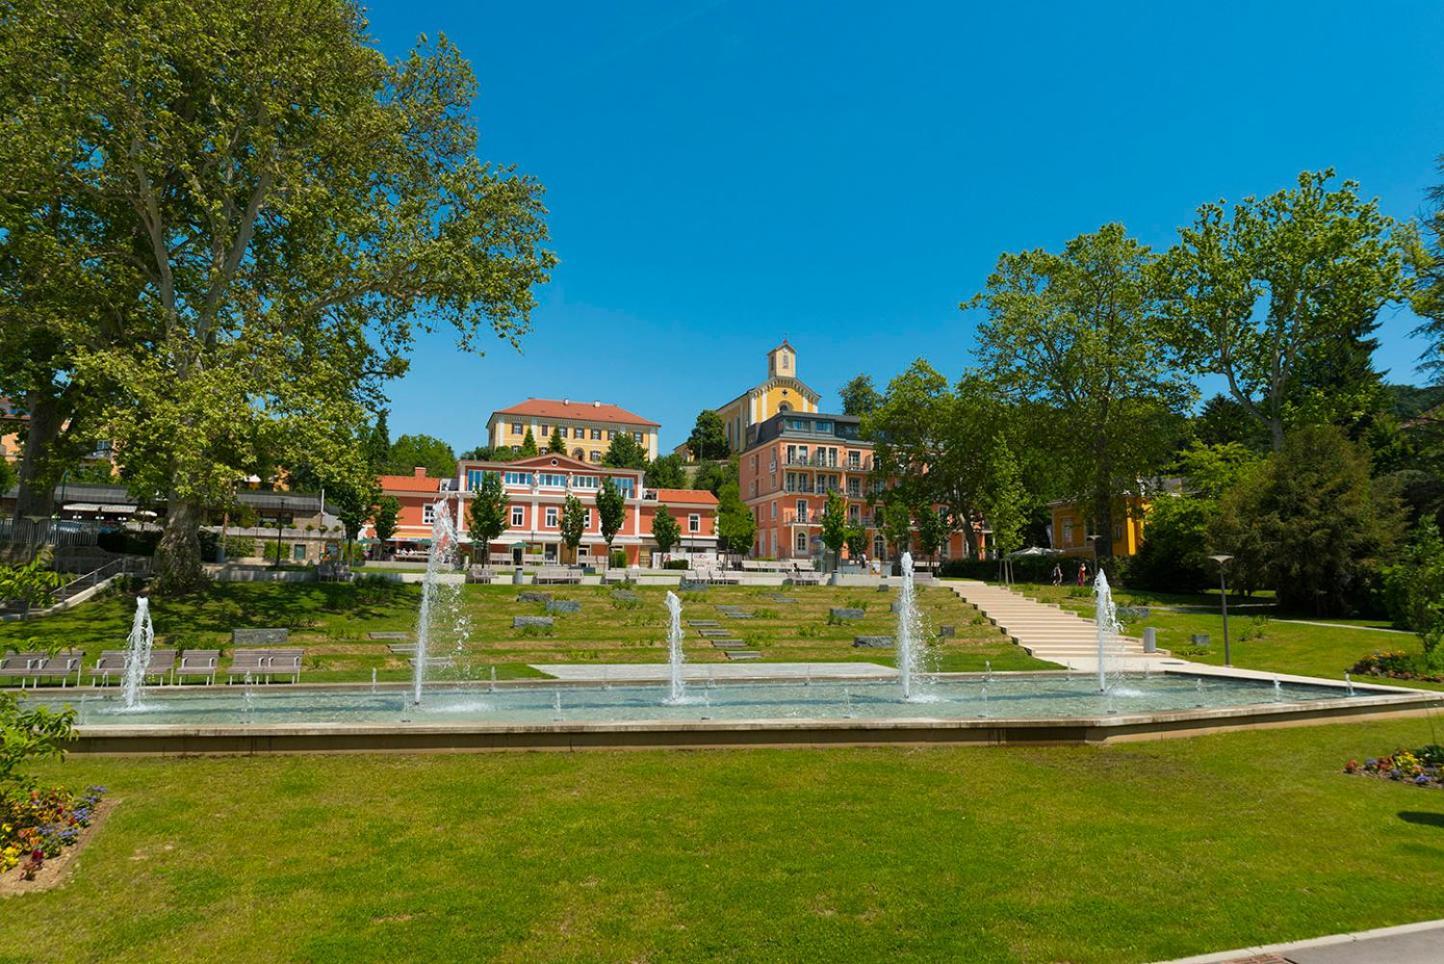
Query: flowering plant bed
(41, 831)
(1422, 767)
(1394, 664)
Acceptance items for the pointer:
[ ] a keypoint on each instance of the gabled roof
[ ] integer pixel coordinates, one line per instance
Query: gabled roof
(684, 497)
(547, 460)
(579, 411)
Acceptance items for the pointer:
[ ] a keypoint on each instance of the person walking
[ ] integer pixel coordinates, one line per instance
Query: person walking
(1057, 574)
(1082, 573)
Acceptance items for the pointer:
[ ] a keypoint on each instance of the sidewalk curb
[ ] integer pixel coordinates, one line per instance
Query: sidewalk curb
(1243, 953)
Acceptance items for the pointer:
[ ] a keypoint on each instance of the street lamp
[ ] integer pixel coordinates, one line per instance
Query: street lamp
(1223, 561)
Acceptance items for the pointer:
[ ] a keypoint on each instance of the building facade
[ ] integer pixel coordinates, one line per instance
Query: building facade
(537, 488)
(1071, 532)
(781, 392)
(587, 428)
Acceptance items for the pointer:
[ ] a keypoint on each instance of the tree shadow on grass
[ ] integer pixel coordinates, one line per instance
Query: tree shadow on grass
(1423, 818)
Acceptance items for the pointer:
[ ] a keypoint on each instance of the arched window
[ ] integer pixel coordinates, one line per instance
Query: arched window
(579, 455)
(785, 407)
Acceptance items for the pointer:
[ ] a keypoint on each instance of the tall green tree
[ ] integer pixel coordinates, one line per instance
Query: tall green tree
(1080, 333)
(272, 210)
(736, 526)
(1005, 503)
(1310, 522)
(856, 541)
(834, 525)
(859, 397)
(1428, 291)
(665, 531)
(932, 530)
(486, 516)
(611, 512)
(625, 452)
(712, 476)
(895, 520)
(421, 451)
(528, 445)
(666, 472)
(1279, 296)
(709, 437)
(388, 510)
(555, 444)
(574, 519)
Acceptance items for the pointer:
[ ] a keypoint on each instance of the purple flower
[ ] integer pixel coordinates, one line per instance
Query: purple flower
(1422, 780)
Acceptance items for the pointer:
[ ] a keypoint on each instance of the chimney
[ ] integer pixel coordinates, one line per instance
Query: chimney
(418, 472)
(566, 401)
(596, 404)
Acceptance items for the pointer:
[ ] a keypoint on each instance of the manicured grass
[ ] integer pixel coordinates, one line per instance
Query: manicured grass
(1125, 853)
(1257, 641)
(332, 622)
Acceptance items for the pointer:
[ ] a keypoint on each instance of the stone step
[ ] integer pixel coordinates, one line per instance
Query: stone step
(743, 654)
(732, 644)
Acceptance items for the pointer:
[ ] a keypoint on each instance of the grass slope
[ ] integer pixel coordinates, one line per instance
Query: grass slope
(332, 621)
(1256, 642)
(1126, 853)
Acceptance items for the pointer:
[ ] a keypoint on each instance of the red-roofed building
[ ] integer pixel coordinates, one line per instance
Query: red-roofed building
(537, 488)
(587, 428)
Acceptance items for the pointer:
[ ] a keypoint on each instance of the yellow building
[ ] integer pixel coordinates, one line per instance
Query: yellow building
(781, 392)
(587, 428)
(1070, 530)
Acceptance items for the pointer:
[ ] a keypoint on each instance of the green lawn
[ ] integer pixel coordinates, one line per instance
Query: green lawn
(332, 622)
(1131, 852)
(1257, 641)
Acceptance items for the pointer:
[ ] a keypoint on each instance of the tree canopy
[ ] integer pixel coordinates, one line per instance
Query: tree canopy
(421, 451)
(625, 452)
(259, 211)
(859, 397)
(709, 437)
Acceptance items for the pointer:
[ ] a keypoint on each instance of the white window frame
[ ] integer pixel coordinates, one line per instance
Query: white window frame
(694, 522)
(551, 517)
(428, 514)
(518, 516)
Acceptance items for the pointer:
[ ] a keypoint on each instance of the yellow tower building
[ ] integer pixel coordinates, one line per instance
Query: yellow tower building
(781, 392)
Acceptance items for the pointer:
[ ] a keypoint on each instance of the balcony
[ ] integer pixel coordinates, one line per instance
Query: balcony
(795, 518)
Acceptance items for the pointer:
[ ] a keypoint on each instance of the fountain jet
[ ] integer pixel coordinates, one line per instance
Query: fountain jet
(909, 629)
(677, 691)
(137, 652)
(440, 556)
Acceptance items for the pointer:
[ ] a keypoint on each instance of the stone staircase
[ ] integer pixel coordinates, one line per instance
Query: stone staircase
(1044, 630)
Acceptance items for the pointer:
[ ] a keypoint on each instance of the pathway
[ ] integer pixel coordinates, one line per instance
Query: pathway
(652, 672)
(1047, 631)
(1407, 944)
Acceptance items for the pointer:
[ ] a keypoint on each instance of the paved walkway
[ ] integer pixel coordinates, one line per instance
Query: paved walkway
(652, 672)
(1046, 631)
(1408, 944)
(1372, 629)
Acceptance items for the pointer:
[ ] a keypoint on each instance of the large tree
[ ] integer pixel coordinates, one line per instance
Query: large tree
(272, 210)
(625, 452)
(834, 525)
(611, 512)
(410, 452)
(1079, 334)
(709, 437)
(1279, 296)
(665, 530)
(736, 525)
(573, 523)
(666, 472)
(486, 517)
(859, 397)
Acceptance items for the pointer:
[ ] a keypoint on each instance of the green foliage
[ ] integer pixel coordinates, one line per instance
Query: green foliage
(932, 531)
(528, 444)
(665, 530)
(708, 440)
(625, 452)
(29, 735)
(573, 522)
(736, 525)
(666, 472)
(1309, 522)
(1080, 335)
(1174, 555)
(834, 524)
(1414, 587)
(1004, 499)
(384, 522)
(1211, 470)
(859, 397)
(486, 516)
(617, 559)
(556, 445)
(1279, 296)
(856, 542)
(264, 210)
(895, 522)
(712, 476)
(611, 512)
(32, 582)
(411, 451)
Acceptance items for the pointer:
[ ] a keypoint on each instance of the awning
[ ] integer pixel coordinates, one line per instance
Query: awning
(109, 509)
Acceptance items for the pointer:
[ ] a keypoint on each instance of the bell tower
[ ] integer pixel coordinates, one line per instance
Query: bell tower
(782, 361)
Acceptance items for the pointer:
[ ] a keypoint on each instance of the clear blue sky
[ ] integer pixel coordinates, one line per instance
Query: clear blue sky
(723, 173)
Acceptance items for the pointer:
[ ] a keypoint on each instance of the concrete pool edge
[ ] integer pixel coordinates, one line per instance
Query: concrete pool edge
(1371, 702)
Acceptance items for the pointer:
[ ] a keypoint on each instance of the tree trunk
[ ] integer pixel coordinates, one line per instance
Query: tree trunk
(37, 475)
(1103, 514)
(178, 555)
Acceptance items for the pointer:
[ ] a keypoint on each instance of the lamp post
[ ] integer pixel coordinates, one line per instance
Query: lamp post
(1223, 561)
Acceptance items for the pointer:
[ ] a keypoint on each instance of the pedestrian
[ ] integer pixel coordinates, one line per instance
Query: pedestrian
(1057, 574)
(1082, 573)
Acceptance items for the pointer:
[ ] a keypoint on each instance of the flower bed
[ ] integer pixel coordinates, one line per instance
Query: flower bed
(1394, 664)
(40, 826)
(1422, 767)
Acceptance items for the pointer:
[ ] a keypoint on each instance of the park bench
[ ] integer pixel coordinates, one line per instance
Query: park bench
(199, 662)
(112, 662)
(557, 575)
(265, 664)
(19, 665)
(59, 666)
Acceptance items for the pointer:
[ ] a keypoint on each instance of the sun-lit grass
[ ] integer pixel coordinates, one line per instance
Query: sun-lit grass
(1257, 640)
(1124, 853)
(332, 623)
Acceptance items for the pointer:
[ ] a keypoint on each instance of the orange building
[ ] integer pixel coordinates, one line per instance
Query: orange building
(793, 461)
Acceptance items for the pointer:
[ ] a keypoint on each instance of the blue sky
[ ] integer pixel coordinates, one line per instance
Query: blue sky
(722, 174)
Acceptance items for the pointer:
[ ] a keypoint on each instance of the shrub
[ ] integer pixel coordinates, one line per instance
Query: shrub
(127, 542)
(618, 559)
(31, 583)
(1413, 587)
(677, 564)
